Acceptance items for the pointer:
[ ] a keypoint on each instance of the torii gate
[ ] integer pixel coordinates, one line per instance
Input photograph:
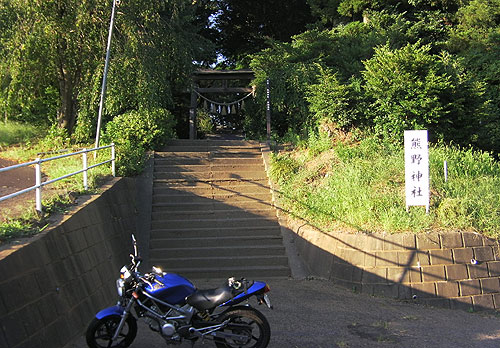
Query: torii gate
(220, 78)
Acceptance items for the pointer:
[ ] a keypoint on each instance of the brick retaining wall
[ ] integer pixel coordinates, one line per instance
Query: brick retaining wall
(455, 270)
(52, 287)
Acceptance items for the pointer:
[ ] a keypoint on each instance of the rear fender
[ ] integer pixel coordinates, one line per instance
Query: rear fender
(114, 310)
(256, 289)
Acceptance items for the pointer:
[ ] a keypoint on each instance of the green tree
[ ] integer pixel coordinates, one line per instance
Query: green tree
(246, 27)
(54, 52)
(413, 89)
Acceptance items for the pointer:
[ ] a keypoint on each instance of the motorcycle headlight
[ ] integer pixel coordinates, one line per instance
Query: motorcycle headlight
(125, 273)
(120, 287)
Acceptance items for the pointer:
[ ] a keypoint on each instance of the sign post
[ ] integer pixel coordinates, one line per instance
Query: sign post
(417, 169)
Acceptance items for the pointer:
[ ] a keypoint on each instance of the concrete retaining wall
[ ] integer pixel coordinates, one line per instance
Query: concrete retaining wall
(52, 287)
(455, 270)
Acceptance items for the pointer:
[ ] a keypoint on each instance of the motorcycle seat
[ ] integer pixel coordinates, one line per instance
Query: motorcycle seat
(208, 299)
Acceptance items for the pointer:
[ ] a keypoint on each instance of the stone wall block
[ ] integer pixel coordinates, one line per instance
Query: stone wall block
(456, 272)
(463, 255)
(407, 258)
(441, 257)
(428, 241)
(470, 287)
(496, 301)
(374, 276)
(423, 258)
(369, 259)
(478, 271)
(490, 285)
(415, 274)
(482, 302)
(472, 239)
(398, 275)
(374, 242)
(451, 240)
(494, 268)
(483, 253)
(13, 328)
(423, 290)
(343, 272)
(11, 294)
(487, 241)
(447, 289)
(433, 273)
(386, 259)
(393, 242)
(462, 303)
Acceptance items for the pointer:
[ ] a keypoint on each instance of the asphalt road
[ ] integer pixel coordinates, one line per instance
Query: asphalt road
(318, 314)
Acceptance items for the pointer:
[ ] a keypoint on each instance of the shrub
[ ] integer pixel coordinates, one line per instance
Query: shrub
(335, 101)
(414, 89)
(135, 132)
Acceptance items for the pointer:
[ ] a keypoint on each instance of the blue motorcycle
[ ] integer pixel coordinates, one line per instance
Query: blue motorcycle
(173, 307)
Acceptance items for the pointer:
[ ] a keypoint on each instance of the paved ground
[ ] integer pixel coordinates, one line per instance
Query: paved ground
(318, 314)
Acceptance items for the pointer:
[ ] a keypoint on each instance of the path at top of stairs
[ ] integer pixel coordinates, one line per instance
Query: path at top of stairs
(212, 213)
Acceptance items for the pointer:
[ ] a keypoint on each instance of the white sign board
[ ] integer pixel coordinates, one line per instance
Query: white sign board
(417, 168)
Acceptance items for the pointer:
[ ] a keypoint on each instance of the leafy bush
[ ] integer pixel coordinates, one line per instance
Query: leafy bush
(135, 132)
(336, 102)
(414, 89)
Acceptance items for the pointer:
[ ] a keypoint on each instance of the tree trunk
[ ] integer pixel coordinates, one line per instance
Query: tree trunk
(66, 117)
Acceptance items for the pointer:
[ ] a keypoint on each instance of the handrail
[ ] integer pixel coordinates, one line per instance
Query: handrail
(38, 172)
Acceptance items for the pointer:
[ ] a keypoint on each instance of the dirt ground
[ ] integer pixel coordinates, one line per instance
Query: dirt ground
(13, 181)
(315, 313)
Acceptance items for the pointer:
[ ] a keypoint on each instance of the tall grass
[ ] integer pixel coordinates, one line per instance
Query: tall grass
(359, 186)
(14, 133)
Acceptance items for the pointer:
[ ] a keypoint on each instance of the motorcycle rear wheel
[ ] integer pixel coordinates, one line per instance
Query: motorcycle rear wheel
(100, 332)
(250, 323)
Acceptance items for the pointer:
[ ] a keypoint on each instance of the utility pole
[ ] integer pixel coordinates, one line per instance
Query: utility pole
(105, 75)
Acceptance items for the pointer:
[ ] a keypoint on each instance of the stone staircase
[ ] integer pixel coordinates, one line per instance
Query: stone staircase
(212, 213)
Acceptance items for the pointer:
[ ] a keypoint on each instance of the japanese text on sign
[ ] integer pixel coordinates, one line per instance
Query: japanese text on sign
(416, 168)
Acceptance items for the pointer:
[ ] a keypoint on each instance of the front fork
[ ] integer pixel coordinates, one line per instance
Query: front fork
(125, 315)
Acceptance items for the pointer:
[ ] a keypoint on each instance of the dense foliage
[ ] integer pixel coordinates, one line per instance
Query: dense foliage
(420, 64)
(53, 56)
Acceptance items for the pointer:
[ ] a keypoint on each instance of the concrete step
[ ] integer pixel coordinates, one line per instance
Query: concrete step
(168, 158)
(164, 215)
(207, 142)
(208, 154)
(215, 232)
(248, 272)
(200, 263)
(228, 198)
(228, 167)
(233, 183)
(211, 223)
(208, 190)
(248, 175)
(219, 252)
(231, 241)
(210, 204)
(212, 148)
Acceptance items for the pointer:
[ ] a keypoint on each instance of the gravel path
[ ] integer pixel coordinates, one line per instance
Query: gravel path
(318, 314)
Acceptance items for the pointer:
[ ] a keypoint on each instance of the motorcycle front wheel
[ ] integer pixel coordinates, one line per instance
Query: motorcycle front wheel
(101, 331)
(245, 322)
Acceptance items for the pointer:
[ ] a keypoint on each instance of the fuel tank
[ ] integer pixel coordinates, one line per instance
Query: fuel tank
(173, 288)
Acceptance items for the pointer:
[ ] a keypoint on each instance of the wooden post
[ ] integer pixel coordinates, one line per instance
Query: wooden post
(192, 114)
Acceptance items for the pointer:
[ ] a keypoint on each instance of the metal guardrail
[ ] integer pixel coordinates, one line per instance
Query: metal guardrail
(38, 172)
